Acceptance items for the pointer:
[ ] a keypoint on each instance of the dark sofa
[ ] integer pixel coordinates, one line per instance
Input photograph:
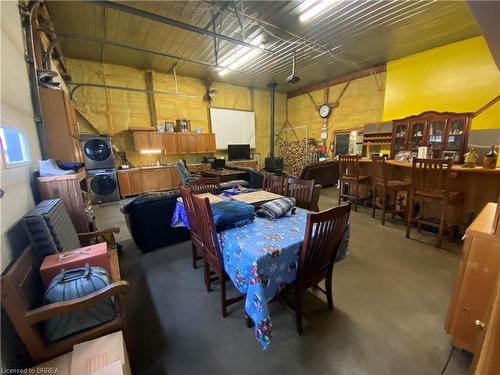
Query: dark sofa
(253, 177)
(325, 173)
(148, 218)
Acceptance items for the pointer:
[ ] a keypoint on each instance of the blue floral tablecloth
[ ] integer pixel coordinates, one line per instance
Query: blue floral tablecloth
(261, 258)
(179, 217)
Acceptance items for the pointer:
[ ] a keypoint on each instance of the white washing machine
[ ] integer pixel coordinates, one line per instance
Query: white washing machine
(103, 185)
(97, 152)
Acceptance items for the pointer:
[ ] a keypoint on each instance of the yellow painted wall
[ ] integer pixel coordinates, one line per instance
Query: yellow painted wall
(361, 103)
(115, 111)
(457, 77)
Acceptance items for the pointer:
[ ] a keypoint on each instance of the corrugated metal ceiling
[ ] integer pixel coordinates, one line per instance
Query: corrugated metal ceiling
(348, 36)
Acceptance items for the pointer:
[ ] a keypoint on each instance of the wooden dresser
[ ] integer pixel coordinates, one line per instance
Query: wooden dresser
(478, 273)
(71, 189)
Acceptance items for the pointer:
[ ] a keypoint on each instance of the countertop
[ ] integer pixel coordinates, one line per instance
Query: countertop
(455, 168)
(156, 167)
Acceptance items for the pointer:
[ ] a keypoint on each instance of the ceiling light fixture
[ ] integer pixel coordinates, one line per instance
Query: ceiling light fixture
(315, 10)
(242, 56)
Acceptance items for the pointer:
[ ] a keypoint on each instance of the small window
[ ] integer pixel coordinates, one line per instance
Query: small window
(15, 148)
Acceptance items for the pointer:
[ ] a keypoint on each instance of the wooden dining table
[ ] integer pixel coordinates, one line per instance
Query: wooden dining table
(223, 175)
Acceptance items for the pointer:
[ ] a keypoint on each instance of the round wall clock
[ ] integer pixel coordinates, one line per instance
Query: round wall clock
(324, 110)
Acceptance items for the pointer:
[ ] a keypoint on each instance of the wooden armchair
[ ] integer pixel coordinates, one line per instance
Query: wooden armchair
(22, 294)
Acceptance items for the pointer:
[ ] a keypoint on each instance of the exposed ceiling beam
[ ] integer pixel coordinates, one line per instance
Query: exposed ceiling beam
(344, 78)
(170, 21)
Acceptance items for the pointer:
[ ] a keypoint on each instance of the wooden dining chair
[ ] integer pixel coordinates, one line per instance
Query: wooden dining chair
(205, 185)
(273, 184)
(196, 239)
(324, 231)
(385, 186)
(349, 173)
(212, 259)
(430, 178)
(301, 190)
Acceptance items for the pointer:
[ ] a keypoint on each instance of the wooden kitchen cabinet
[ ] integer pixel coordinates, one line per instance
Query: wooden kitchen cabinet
(149, 180)
(182, 143)
(143, 180)
(141, 141)
(129, 182)
(210, 142)
(59, 119)
(164, 179)
(156, 141)
(201, 143)
(170, 143)
(475, 285)
(124, 183)
(191, 143)
(205, 143)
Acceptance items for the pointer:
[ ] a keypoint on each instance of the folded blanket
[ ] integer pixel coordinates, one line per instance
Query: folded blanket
(230, 214)
(277, 208)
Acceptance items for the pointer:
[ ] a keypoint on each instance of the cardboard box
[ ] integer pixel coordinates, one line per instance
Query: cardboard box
(92, 356)
(95, 255)
(60, 365)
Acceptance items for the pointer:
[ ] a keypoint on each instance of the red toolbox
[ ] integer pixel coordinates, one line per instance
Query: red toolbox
(95, 255)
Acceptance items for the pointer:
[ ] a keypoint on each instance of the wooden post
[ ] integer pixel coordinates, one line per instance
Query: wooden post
(153, 106)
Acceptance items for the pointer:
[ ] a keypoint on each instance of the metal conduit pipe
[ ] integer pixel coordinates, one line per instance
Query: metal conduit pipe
(61, 36)
(175, 23)
(78, 85)
(272, 88)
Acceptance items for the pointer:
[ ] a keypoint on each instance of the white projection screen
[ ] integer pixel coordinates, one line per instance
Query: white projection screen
(232, 127)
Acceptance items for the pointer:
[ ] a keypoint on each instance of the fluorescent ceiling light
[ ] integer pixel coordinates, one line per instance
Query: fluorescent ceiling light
(315, 10)
(242, 55)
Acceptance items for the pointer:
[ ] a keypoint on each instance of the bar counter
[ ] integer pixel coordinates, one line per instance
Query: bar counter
(478, 185)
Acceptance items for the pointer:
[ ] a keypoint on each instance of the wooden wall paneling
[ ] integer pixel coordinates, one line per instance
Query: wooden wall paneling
(182, 143)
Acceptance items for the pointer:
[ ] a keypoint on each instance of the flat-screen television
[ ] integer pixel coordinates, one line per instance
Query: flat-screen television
(219, 164)
(238, 152)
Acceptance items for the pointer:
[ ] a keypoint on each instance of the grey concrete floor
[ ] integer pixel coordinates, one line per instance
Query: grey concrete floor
(391, 297)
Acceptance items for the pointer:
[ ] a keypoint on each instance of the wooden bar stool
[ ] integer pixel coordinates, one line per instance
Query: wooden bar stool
(430, 178)
(383, 185)
(349, 173)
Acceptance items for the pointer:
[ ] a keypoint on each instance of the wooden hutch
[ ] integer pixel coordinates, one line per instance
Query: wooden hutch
(439, 131)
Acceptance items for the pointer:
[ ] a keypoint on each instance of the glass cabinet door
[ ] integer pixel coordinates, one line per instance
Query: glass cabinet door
(456, 136)
(436, 138)
(400, 134)
(417, 134)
